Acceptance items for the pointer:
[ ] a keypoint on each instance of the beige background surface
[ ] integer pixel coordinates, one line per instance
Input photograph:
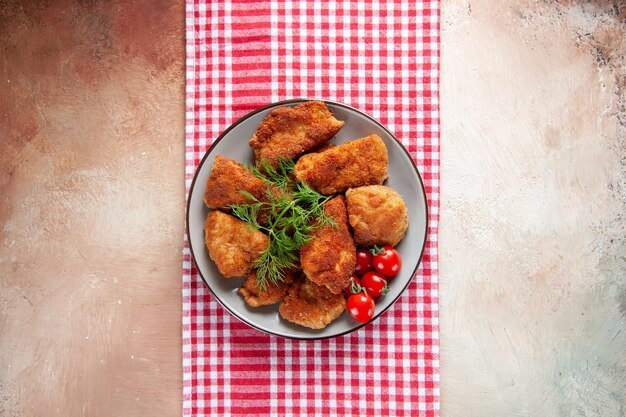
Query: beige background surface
(532, 236)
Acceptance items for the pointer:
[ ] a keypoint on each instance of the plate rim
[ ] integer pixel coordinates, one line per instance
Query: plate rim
(241, 120)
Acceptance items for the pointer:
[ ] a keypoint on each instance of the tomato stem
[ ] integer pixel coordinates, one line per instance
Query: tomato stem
(385, 289)
(355, 288)
(377, 250)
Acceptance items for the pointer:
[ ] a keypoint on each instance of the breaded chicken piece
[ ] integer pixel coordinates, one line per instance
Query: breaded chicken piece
(377, 215)
(311, 305)
(288, 132)
(255, 297)
(329, 258)
(353, 164)
(233, 244)
(226, 181)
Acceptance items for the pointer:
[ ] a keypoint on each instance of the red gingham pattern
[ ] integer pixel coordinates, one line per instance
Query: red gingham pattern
(381, 57)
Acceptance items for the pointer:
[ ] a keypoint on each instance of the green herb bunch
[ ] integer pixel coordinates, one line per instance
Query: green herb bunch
(288, 217)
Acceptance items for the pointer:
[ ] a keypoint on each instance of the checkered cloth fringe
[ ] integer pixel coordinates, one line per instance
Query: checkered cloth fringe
(381, 57)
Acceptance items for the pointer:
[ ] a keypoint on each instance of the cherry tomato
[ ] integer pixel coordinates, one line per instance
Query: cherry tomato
(389, 262)
(363, 261)
(361, 306)
(347, 292)
(374, 283)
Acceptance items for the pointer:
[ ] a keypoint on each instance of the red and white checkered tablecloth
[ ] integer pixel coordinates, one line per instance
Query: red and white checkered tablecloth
(383, 58)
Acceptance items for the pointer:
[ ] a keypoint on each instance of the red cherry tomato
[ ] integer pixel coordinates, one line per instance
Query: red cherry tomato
(363, 261)
(374, 283)
(389, 262)
(347, 292)
(361, 306)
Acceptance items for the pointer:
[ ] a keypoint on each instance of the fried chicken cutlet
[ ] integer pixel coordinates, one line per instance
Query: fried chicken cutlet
(329, 258)
(288, 132)
(377, 215)
(233, 244)
(226, 181)
(254, 296)
(354, 164)
(311, 305)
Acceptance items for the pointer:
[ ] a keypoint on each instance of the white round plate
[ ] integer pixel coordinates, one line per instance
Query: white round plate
(403, 177)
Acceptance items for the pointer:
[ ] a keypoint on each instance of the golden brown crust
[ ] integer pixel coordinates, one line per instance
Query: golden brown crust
(233, 244)
(329, 258)
(226, 181)
(354, 164)
(323, 148)
(288, 132)
(255, 297)
(377, 215)
(311, 305)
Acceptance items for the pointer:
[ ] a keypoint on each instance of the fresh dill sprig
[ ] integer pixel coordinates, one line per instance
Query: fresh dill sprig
(288, 217)
(278, 176)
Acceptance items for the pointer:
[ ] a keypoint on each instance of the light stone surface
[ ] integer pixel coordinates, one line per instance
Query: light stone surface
(91, 208)
(532, 234)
